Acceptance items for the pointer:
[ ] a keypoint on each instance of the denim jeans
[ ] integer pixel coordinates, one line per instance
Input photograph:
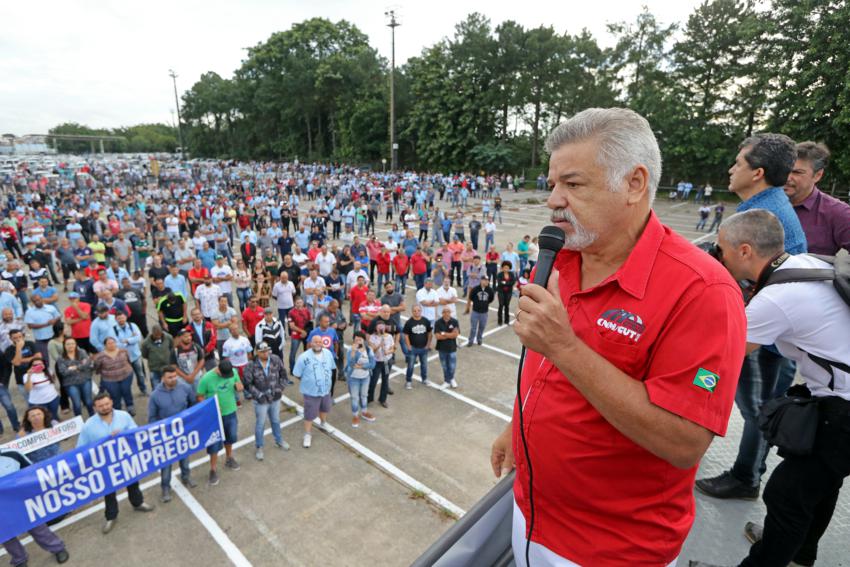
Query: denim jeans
(165, 473)
(400, 282)
(120, 390)
(81, 395)
(293, 352)
(379, 372)
(272, 412)
(42, 535)
(477, 323)
(419, 279)
(156, 378)
(139, 371)
(382, 278)
(243, 293)
(489, 240)
(764, 376)
(6, 402)
(283, 315)
(448, 360)
(422, 355)
(358, 388)
(52, 406)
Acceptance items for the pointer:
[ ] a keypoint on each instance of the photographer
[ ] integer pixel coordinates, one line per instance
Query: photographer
(808, 322)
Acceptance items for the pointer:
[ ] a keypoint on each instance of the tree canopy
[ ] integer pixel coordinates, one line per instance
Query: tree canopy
(485, 97)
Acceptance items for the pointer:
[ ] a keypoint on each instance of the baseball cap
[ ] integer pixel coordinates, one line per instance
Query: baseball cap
(73, 295)
(268, 310)
(263, 346)
(102, 308)
(219, 257)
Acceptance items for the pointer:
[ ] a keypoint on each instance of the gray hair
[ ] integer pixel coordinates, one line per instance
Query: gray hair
(625, 141)
(817, 154)
(757, 227)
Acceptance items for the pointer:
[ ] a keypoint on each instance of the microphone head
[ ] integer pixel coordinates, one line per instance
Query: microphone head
(551, 238)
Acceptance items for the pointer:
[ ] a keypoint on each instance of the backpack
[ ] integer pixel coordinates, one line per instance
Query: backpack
(840, 277)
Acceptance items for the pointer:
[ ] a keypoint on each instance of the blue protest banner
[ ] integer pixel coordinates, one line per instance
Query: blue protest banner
(59, 485)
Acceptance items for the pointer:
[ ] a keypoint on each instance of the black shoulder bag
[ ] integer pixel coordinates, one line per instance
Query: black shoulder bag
(790, 422)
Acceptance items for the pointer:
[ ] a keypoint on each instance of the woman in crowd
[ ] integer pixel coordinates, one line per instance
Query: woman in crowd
(36, 419)
(261, 288)
(116, 374)
(358, 373)
(505, 283)
(54, 353)
(242, 282)
(344, 261)
(75, 368)
(40, 388)
(492, 264)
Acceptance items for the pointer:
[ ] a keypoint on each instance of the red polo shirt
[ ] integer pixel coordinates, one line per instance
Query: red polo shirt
(668, 315)
(252, 317)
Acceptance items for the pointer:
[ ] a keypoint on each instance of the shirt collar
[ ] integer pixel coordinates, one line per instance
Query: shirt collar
(757, 200)
(633, 275)
(810, 201)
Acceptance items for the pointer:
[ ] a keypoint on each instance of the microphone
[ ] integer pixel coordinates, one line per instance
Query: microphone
(551, 240)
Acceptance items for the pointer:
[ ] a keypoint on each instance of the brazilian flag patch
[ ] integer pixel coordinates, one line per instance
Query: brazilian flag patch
(706, 379)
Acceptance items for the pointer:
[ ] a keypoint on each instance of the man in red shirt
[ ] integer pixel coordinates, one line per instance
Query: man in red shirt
(383, 261)
(373, 248)
(358, 296)
(401, 265)
(78, 315)
(634, 351)
(368, 309)
(251, 316)
(197, 275)
(419, 267)
(299, 318)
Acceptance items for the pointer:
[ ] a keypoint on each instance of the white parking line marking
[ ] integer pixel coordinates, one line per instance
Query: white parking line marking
(384, 464)
(83, 514)
(233, 553)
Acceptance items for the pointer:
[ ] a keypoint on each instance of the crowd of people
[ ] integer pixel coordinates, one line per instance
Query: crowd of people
(231, 280)
(188, 285)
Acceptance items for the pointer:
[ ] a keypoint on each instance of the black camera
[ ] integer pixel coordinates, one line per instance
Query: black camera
(711, 249)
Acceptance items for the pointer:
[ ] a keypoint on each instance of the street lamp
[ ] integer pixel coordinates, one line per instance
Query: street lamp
(173, 76)
(393, 145)
(384, 165)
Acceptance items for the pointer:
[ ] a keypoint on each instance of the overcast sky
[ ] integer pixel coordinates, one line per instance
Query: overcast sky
(105, 64)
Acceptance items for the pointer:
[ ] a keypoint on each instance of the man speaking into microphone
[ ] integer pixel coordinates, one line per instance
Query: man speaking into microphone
(634, 349)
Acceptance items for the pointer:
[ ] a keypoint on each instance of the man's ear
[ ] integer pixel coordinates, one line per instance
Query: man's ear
(637, 184)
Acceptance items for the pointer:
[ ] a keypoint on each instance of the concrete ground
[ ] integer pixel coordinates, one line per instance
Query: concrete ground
(382, 493)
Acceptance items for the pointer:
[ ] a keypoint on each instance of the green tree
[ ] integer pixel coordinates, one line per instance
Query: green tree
(810, 61)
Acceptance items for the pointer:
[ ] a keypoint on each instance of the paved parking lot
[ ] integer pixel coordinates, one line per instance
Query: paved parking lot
(382, 493)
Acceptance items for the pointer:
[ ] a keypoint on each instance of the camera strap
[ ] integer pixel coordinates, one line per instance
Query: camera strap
(768, 270)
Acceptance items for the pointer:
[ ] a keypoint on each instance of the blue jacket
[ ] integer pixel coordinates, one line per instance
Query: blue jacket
(165, 403)
(100, 330)
(354, 357)
(130, 338)
(775, 201)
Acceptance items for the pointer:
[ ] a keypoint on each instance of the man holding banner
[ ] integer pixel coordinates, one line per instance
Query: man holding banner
(108, 422)
(10, 462)
(170, 398)
(222, 383)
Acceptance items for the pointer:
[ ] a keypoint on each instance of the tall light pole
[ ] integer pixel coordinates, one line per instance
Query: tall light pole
(393, 145)
(173, 76)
